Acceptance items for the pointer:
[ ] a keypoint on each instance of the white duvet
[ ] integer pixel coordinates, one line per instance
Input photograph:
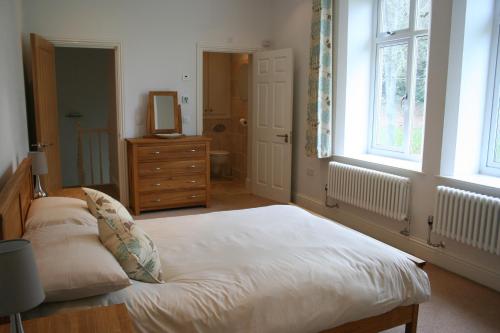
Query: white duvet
(270, 269)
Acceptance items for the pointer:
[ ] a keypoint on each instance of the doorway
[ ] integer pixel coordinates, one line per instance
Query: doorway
(102, 158)
(269, 119)
(226, 118)
(86, 103)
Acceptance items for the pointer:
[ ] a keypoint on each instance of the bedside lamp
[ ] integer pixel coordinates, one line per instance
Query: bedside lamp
(38, 167)
(20, 287)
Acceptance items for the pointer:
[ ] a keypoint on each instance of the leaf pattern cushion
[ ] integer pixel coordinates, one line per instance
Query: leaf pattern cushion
(129, 244)
(98, 201)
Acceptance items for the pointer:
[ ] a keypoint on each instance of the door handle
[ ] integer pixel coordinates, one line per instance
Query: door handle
(40, 145)
(283, 136)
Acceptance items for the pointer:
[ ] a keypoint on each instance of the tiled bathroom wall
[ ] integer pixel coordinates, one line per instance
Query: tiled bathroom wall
(234, 137)
(220, 140)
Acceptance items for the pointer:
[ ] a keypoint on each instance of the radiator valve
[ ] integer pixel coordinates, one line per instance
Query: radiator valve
(336, 205)
(430, 222)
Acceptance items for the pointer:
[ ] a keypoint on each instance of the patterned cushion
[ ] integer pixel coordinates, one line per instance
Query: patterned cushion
(98, 201)
(129, 244)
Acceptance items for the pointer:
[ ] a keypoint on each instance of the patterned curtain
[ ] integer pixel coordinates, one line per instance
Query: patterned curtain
(319, 109)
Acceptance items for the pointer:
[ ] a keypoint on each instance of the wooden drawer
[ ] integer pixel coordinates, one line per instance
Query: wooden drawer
(166, 199)
(168, 173)
(172, 152)
(173, 168)
(172, 183)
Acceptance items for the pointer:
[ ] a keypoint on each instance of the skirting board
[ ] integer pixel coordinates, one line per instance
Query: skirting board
(413, 245)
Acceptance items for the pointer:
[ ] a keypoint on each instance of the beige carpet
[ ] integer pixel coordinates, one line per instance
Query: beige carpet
(457, 305)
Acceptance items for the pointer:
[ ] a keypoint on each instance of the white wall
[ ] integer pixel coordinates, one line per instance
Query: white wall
(292, 29)
(13, 128)
(158, 39)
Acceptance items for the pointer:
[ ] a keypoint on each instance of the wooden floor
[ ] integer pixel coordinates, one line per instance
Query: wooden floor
(76, 191)
(457, 305)
(226, 195)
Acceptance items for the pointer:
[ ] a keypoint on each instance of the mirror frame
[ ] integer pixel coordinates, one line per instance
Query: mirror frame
(151, 114)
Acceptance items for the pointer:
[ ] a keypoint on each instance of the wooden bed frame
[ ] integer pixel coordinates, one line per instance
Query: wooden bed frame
(16, 197)
(15, 200)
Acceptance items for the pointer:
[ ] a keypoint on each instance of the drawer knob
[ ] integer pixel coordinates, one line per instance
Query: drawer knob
(193, 150)
(157, 184)
(156, 152)
(193, 196)
(193, 166)
(157, 168)
(157, 200)
(192, 181)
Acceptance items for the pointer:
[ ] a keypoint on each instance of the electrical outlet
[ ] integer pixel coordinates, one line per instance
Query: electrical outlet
(185, 100)
(310, 172)
(186, 77)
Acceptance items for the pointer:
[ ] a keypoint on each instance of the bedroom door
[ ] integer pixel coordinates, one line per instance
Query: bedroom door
(272, 124)
(45, 100)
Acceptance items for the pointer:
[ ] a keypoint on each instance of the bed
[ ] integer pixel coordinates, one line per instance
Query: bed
(269, 269)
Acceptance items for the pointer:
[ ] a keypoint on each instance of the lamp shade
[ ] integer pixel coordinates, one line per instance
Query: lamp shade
(39, 162)
(20, 287)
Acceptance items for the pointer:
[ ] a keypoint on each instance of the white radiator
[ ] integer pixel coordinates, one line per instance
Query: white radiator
(468, 217)
(379, 192)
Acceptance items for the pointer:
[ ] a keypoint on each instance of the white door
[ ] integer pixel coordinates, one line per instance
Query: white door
(272, 124)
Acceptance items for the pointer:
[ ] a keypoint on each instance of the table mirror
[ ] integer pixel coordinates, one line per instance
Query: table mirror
(164, 114)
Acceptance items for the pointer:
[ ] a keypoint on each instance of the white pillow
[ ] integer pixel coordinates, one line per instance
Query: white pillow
(73, 263)
(49, 211)
(99, 202)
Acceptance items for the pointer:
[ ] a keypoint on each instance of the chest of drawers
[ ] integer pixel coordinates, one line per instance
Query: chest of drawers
(168, 173)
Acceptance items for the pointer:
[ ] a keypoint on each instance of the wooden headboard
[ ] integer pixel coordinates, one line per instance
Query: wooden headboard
(15, 200)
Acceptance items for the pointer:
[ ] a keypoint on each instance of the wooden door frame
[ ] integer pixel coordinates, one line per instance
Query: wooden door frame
(222, 48)
(117, 46)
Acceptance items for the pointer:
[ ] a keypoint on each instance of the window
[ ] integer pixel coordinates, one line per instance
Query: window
(470, 134)
(401, 61)
(490, 159)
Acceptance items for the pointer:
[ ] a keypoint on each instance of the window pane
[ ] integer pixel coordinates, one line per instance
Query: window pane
(423, 14)
(496, 154)
(389, 131)
(418, 116)
(395, 15)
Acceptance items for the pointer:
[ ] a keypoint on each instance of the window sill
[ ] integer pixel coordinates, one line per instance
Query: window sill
(477, 179)
(387, 161)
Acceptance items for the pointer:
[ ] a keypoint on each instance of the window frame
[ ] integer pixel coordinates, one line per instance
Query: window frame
(492, 112)
(382, 39)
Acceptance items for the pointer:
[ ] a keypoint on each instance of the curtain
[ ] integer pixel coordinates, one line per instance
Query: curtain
(319, 108)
